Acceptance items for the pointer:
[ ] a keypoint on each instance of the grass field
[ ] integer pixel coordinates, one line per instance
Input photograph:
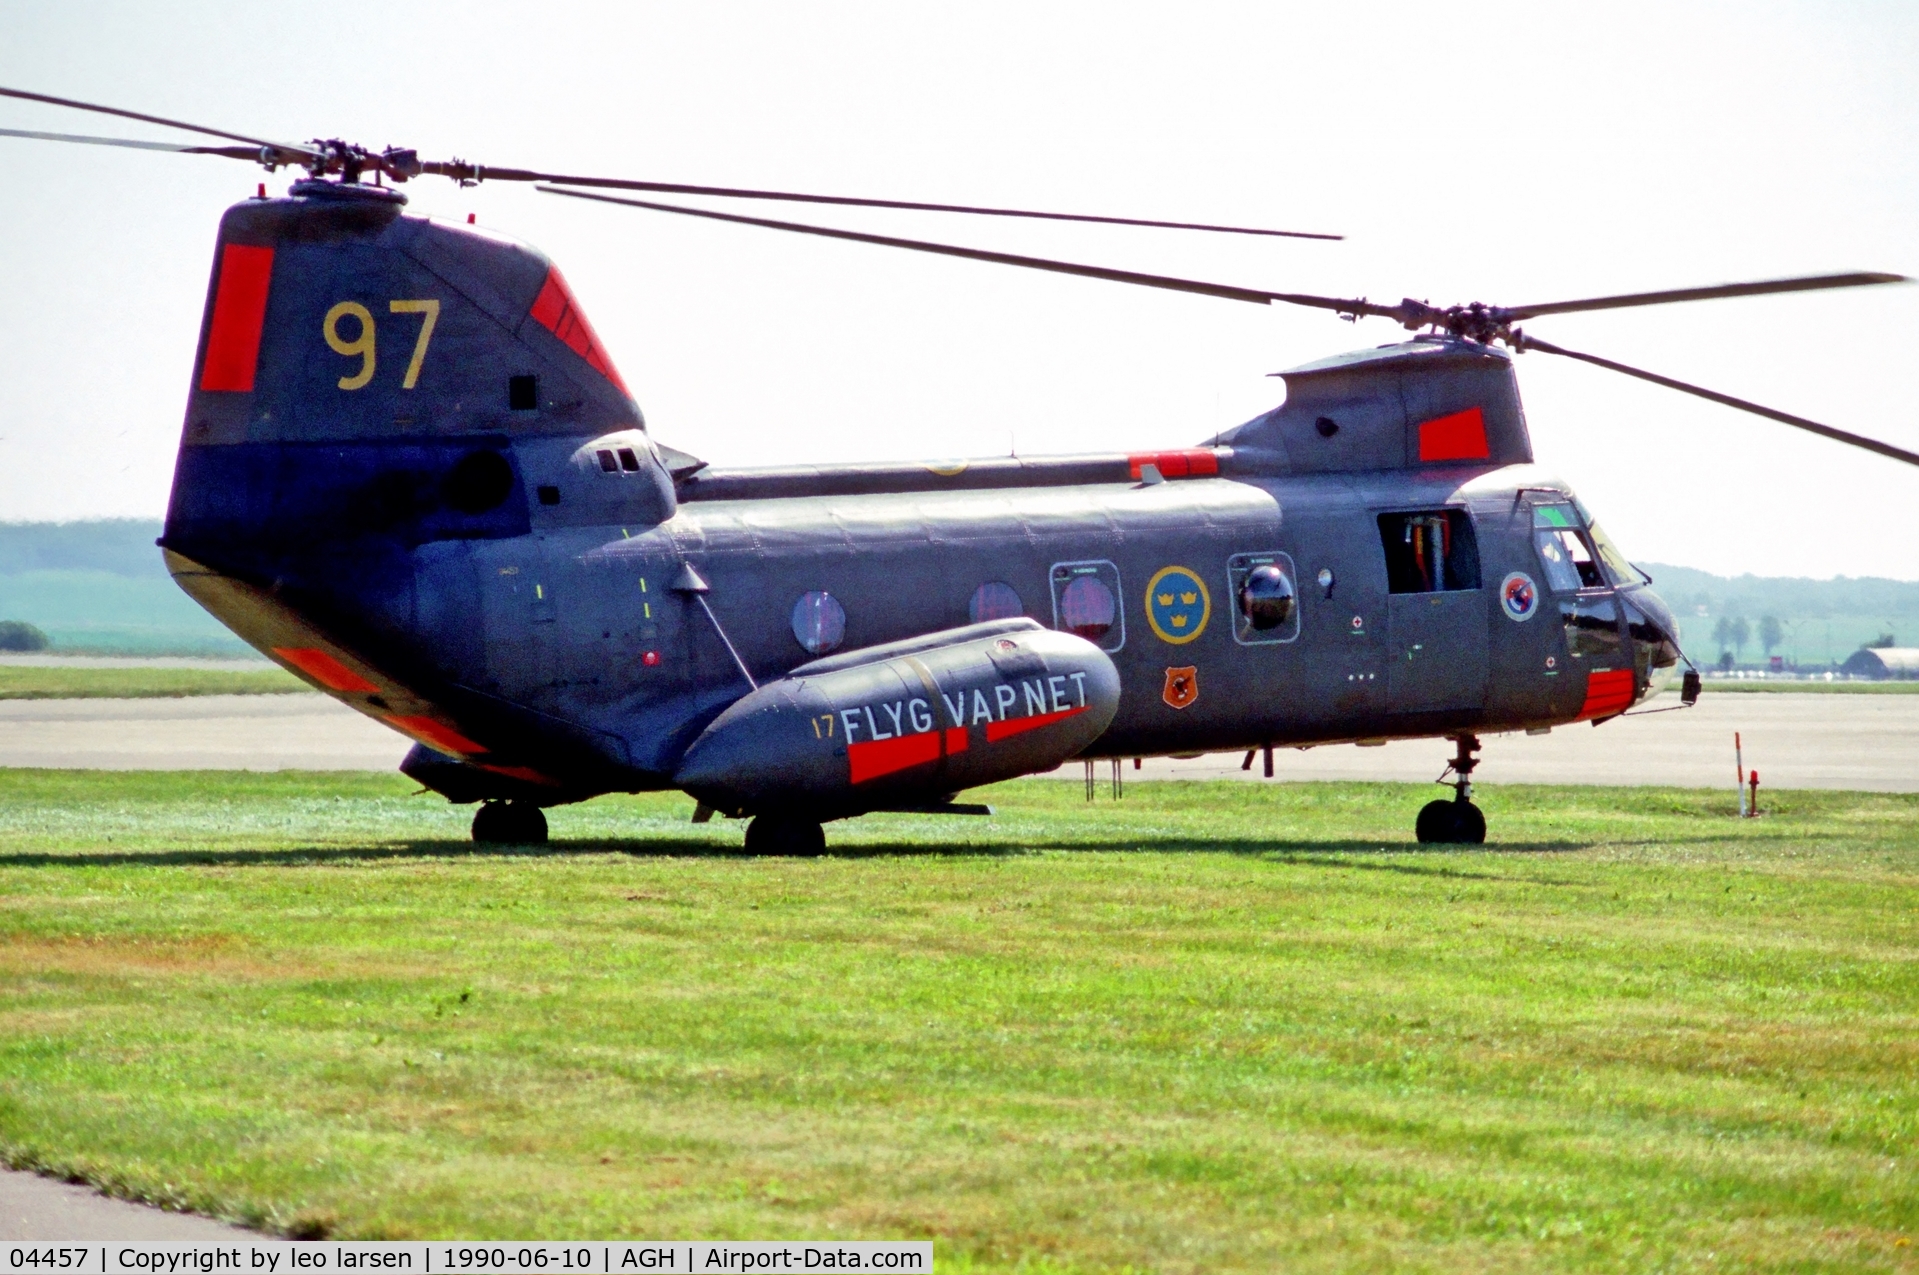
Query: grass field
(1208, 1027)
(1720, 686)
(44, 681)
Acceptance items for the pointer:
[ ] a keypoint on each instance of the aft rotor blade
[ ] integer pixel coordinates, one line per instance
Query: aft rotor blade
(849, 201)
(1785, 418)
(1166, 282)
(231, 152)
(1809, 283)
(97, 109)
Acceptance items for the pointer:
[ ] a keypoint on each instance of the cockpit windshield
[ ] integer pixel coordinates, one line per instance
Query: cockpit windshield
(1623, 573)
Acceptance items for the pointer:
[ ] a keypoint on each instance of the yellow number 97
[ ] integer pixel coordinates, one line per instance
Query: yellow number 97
(361, 345)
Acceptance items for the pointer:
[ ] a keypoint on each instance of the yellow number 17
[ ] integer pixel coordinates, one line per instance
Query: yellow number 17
(364, 344)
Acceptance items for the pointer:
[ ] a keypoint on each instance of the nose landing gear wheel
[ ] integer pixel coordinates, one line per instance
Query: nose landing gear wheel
(509, 823)
(1457, 822)
(1454, 822)
(790, 836)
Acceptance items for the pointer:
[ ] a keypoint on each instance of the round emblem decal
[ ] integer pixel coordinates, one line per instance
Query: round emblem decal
(1177, 605)
(1519, 595)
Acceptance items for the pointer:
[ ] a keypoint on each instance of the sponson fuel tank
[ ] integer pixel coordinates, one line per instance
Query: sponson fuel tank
(907, 723)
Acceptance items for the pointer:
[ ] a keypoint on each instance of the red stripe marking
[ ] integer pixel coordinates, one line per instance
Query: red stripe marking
(878, 757)
(239, 311)
(1193, 462)
(1608, 692)
(323, 668)
(436, 735)
(556, 311)
(1461, 436)
(996, 731)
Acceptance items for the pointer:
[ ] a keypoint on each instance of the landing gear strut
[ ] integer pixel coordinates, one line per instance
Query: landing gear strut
(1459, 821)
(509, 823)
(793, 836)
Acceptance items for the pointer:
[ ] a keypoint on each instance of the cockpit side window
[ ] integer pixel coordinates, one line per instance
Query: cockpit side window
(1564, 550)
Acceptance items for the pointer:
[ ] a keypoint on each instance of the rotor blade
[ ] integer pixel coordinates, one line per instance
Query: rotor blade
(97, 109)
(1785, 418)
(730, 192)
(1166, 282)
(231, 152)
(1809, 283)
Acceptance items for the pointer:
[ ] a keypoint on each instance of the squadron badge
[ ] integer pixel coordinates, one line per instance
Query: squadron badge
(1182, 686)
(1177, 604)
(1519, 596)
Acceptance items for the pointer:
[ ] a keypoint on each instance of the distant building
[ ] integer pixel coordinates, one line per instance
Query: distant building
(1883, 662)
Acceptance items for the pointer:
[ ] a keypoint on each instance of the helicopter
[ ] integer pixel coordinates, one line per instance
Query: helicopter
(411, 474)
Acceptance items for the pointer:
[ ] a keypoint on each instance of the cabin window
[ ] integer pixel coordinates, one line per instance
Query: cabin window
(522, 393)
(1265, 597)
(819, 622)
(1086, 603)
(994, 600)
(1429, 552)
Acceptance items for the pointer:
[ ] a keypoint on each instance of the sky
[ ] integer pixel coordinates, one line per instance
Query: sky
(1507, 154)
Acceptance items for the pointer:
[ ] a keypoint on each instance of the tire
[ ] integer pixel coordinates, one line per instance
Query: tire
(1435, 823)
(1451, 823)
(509, 823)
(788, 836)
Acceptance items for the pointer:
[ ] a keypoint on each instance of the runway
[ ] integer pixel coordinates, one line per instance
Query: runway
(1866, 742)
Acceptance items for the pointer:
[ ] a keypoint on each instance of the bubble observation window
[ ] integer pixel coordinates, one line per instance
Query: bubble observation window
(1086, 602)
(1265, 597)
(994, 600)
(819, 622)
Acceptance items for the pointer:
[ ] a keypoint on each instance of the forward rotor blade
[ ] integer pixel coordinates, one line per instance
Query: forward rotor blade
(231, 152)
(1785, 418)
(1166, 282)
(730, 192)
(97, 109)
(1809, 283)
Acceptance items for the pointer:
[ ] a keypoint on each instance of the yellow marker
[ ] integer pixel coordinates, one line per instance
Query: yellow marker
(430, 307)
(361, 345)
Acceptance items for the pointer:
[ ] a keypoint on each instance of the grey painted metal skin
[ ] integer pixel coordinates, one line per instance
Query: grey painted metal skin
(539, 650)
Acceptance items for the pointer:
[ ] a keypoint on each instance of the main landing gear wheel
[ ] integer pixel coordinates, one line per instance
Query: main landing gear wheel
(509, 823)
(792, 836)
(1457, 822)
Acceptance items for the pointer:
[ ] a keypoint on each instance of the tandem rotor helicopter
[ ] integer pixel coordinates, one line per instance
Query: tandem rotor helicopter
(411, 474)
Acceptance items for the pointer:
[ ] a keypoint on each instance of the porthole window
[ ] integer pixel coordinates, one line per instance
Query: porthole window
(1086, 602)
(1265, 598)
(819, 622)
(994, 600)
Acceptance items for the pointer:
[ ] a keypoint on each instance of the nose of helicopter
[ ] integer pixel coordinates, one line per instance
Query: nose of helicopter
(1655, 632)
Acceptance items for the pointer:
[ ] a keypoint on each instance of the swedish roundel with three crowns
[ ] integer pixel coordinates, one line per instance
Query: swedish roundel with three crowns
(1177, 604)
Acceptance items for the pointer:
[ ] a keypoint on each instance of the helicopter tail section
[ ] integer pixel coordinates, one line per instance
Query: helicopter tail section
(375, 398)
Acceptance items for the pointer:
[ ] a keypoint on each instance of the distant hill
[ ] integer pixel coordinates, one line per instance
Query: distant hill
(1824, 620)
(98, 587)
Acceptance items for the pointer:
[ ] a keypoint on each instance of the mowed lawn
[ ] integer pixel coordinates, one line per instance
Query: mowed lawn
(1230, 1026)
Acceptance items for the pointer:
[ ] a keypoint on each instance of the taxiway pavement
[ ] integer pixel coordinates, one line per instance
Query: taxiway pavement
(37, 1208)
(1794, 740)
